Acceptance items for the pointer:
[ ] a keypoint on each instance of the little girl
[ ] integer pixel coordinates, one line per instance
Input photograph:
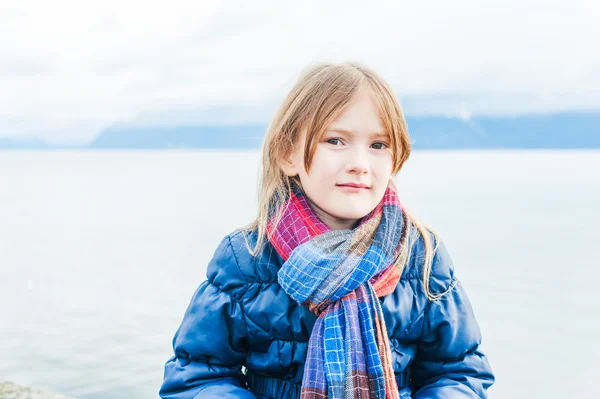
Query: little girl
(336, 290)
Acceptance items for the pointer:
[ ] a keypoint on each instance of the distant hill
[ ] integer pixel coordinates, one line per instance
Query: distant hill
(553, 130)
(556, 130)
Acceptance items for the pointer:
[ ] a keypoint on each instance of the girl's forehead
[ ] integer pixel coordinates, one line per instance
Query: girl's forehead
(361, 115)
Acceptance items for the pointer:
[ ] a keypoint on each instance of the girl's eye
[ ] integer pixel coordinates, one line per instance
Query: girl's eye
(382, 146)
(334, 141)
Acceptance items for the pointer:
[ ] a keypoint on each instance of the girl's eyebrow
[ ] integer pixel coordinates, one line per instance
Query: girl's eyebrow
(351, 133)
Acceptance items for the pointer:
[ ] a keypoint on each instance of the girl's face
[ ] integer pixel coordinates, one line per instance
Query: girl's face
(351, 167)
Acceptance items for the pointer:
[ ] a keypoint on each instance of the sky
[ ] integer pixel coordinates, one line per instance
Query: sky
(69, 69)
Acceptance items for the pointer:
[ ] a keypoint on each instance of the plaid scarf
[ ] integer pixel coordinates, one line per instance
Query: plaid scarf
(339, 275)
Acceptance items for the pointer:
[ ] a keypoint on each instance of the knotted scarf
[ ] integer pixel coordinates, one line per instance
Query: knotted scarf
(339, 275)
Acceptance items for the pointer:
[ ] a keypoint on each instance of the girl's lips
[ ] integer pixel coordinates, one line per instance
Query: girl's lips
(355, 185)
(353, 188)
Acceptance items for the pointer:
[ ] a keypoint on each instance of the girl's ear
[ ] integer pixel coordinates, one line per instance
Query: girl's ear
(288, 164)
(292, 162)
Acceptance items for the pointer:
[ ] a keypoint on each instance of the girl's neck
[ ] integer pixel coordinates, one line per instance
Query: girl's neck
(331, 221)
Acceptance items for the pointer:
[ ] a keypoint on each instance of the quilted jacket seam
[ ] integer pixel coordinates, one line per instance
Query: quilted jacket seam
(230, 294)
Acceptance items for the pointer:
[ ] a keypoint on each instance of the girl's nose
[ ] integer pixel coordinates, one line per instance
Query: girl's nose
(358, 163)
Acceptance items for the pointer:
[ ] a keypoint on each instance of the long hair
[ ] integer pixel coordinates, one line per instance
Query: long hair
(316, 100)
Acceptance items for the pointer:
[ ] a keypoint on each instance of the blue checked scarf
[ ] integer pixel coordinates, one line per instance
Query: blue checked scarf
(339, 275)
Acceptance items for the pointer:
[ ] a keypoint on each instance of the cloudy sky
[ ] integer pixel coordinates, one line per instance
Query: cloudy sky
(68, 69)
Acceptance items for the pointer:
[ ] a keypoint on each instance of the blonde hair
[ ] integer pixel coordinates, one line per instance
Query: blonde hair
(316, 100)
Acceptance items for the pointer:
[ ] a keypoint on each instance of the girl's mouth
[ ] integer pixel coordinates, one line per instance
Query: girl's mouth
(353, 187)
(356, 185)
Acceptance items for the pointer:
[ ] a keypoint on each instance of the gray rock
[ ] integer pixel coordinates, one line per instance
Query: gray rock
(8, 390)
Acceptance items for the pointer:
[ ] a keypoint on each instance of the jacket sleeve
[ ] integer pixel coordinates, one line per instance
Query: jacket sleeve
(448, 363)
(209, 345)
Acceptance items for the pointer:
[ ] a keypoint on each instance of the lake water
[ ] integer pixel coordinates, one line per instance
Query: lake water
(101, 252)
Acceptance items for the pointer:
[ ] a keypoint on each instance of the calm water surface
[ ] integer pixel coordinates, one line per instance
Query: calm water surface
(101, 252)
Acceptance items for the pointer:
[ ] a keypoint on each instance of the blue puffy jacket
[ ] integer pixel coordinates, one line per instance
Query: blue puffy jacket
(242, 336)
